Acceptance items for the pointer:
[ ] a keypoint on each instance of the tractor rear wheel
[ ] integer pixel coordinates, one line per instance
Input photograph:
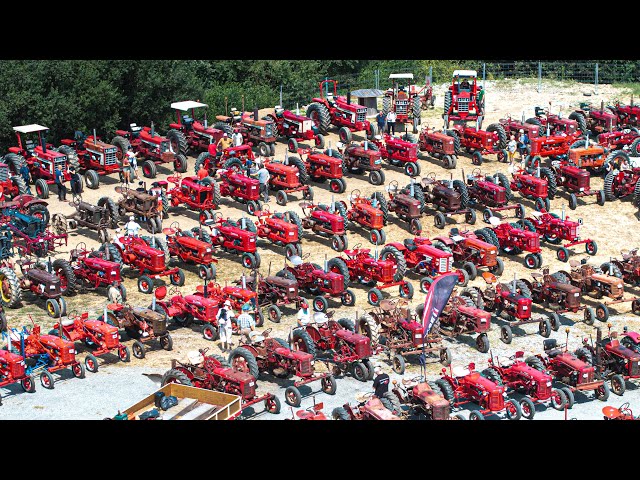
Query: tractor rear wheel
(319, 113)
(611, 269)
(176, 376)
(493, 375)
(178, 143)
(19, 184)
(64, 271)
(242, 360)
(292, 396)
(503, 139)
(303, 342)
(338, 265)
(392, 253)
(446, 389)
(581, 120)
(149, 169)
(10, 292)
(636, 194)
(368, 327)
(552, 185)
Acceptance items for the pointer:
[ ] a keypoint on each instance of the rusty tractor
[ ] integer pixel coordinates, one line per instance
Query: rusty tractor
(146, 208)
(470, 252)
(460, 316)
(405, 206)
(628, 268)
(274, 292)
(438, 145)
(98, 218)
(398, 332)
(424, 399)
(446, 197)
(369, 407)
(358, 158)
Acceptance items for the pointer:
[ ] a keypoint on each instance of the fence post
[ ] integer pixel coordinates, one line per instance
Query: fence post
(281, 97)
(539, 76)
(596, 81)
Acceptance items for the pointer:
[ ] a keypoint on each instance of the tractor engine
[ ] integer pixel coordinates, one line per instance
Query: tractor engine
(64, 348)
(381, 270)
(108, 333)
(11, 365)
(328, 282)
(138, 251)
(330, 221)
(487, 193)
(322, 162)
(412, 330)
(445, 197)
(574, 178)
(236, 383)
(109, 271)
(360, 344)
(477, 320)
(284, 231)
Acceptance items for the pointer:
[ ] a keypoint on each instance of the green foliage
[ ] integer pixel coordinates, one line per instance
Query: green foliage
(68, 95)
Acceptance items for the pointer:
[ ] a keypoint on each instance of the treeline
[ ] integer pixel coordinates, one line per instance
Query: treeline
(70, 95)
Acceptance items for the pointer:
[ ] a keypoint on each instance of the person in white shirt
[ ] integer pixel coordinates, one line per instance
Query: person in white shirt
(224, 317)
(237, 138)
(391, 122)
(132, 227)
(304, 315)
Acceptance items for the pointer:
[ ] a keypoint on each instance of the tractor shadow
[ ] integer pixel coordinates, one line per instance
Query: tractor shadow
(91, 234)
(517, 330)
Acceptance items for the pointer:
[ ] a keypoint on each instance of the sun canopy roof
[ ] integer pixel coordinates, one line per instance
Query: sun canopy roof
(30, 128)
(465, 73)
(188, 105)
(401, 75)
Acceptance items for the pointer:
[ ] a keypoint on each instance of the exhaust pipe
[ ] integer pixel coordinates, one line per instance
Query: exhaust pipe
(255, 114)
(153, 130)
(95, 137)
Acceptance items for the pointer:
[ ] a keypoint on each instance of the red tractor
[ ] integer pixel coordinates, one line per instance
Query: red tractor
(45, 354)
(627, 115)
(213, 372)
(577, 182)
(470, 252)
(624, 412)
(424, 399)
(568, 369)
(512, 127)
(265, 353)
(513, 239)
(625, 139)
(425, 258)
(556, 124)
(541, 186)
(554, 229)
(12, 185)
(229, 235)
(202, 196)
(369, 407)
(156, 149)
(41, 158)
(295, 128)
(406, 101)
(620, 183)
(464, 100)
(492, 193)
(253, 131)
(188, 249)
(358, 158)
(13, 369)
(288, 177)
(628, 268)
(282, 229)
(332, 109)
(101, 337)
(324, 166)
(191, 134)
(612, 360)
(212, 160)
(398, 152)
(381, 272)
(91, 155)
(534, 385)
(595, 120)
(239, 186)
(476, 142)
(438, 145)
(555, 147)
(325, 221)
(91, 272)
(323, 283)
(337, 343)
(510, 302)
(365, 213)
(403, 203)
(148, 255)
(460, 316)
(273, 293)
(461, 388)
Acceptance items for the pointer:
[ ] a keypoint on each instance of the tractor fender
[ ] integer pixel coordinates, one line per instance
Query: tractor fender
(252, 349)
(527, 283)
(399, 246)
(26, 200)
(446, 240)
(634, 336)
(565, 273)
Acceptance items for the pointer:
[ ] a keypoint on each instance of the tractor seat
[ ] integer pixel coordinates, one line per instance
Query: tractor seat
(352, 253)
(195, 357)
(66, 321)
(376, 406)
(387, 304)
(554, 352)
(410, 244)
(135, 128)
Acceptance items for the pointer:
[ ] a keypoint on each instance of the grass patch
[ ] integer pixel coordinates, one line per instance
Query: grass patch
(631, 88)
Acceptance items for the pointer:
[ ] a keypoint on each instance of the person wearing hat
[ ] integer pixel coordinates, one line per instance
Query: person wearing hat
(224, 316)
(263, 177)
(304, 314)
(246, 324)
(132, 226)
(237, 138)
(224, 143)
(380, 382)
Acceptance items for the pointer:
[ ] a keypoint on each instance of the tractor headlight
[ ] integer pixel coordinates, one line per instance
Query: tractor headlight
(585, 375)
(548, 384)
(524, 307)
(504, 394)
(577, 294)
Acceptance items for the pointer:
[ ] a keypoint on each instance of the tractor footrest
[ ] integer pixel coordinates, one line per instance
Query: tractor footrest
(392, 284)
(588, 386)
(311, 379)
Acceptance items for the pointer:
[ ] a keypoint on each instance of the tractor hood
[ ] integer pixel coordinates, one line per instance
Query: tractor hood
(608, 280)
(424, 392)
(485, 384)
(200, 301)
(574, 362)
(530, 372)
(475, 313)
(615, 347)
(96, 263)
(193, 243)
(147, 314)
(44, 277)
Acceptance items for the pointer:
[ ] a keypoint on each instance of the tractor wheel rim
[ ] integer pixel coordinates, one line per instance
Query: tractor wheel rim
(396, 363)
(239, 364)
(45, 380)
(511, 409)
(122, 354)
(6, 289)
(335, 187)
(144, 285)
(318, 304)
(76, 369)
(273, 314)
(146, 169)
(50, 308)
(348, 298)
(555, 398)
(27, 383)
(291, 396)
(176, 277)
(208, 334)
(373, 297)
(271, 405)
(90, 364)
(526, 411)
(247, 262)
(374, 238)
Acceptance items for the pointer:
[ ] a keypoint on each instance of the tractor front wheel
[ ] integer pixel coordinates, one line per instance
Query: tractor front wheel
(376, 177)
(482, 343)
(91, 179)
(320, 304)
(415, 227)
(558, 399)
(476, 158)
(137, 348)
(42, 188)
(348, 298)
(292, 396)
(591, 247)
(476, 415)
(46, 380)
(91, 363)
(124, 354)
(530, 260)
(602, 392)
(406, 290)
(398, 364)
(149, 169)
(274, 313)
(374, 296)
(528, 408)
(506, 335)
(28, 385)
(145, 284)
(544, 328)
(512, 409)
(78, 370)
(562, 254)
(337, 185)
(360, 371)
(345, 135)
(573, 201)
(618, 385)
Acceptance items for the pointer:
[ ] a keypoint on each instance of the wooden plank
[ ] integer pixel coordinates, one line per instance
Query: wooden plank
(184, 405)
(204, 409)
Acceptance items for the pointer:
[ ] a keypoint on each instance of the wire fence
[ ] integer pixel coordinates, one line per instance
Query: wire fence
(593, 73)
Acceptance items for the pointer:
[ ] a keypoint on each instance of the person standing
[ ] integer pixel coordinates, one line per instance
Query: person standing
(511, 149)
(304, 315)
(237, 138)
(59, 181)
(380, 382)
(246, 324)
(26, 176)
(76, 183)
(224, 317)
(391, 122)
(381, 120)
(263, 177)
(523, 141)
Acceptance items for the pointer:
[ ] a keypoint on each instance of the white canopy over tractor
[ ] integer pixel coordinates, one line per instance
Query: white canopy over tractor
(188, 105)
(30, 128)
(401, 75)
(465, 73)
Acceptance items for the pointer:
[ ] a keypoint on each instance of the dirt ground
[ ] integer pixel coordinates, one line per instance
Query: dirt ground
(613, 226)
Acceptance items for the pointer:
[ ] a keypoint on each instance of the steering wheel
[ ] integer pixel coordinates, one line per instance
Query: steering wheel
(431, 176)
(81, 247)
(203, 351)
(175, 226)
(355, 193)
(356, 246)
(265, 333)
(174, 290)
(476, 172)
(76, 199)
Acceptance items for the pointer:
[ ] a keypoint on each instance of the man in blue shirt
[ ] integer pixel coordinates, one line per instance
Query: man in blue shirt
(24, 172)
(380, 119)
(59, 180)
